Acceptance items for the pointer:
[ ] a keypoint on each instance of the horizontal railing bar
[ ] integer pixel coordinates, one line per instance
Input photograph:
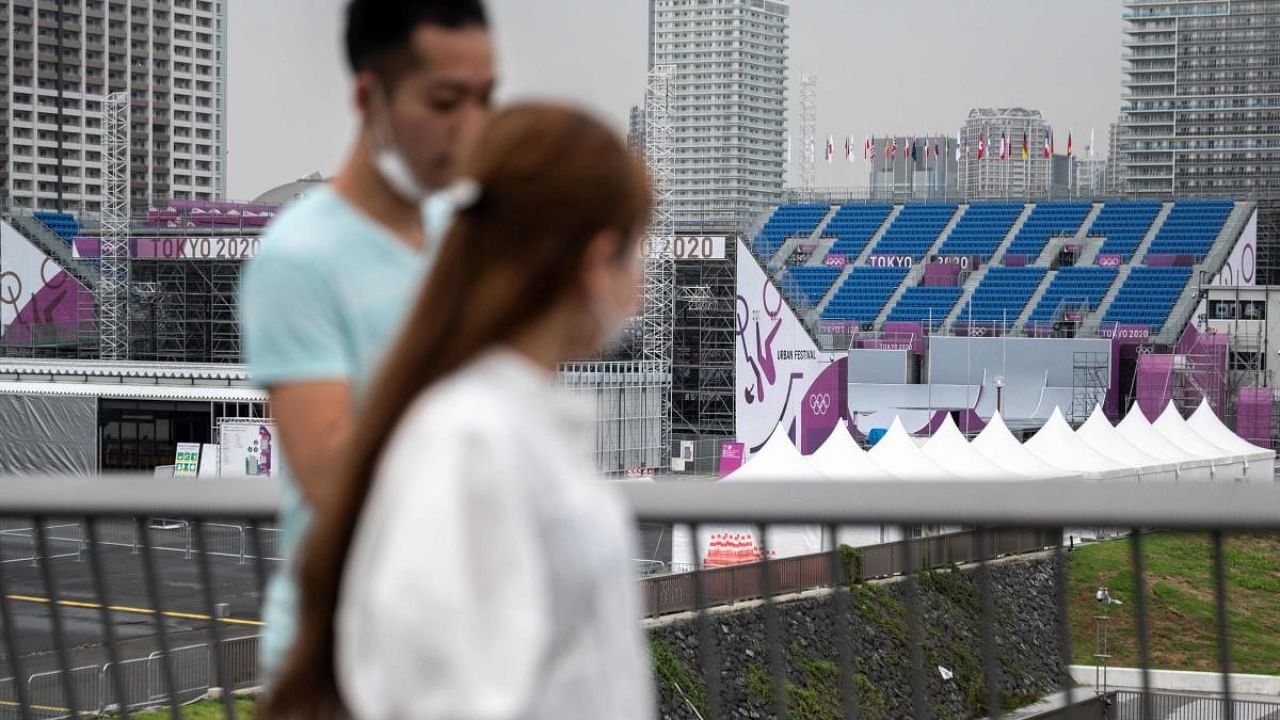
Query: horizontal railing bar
(135, 495)
(1228, 506)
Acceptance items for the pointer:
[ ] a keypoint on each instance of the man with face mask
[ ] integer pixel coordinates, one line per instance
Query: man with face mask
(339, 270)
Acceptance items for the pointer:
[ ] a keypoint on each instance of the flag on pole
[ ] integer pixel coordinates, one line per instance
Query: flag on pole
(893, 153)
(911, 150)
(831, 148)
(1048, 148)
(982, 146)
(1069, 149)
(868, 149)
(1004, 145)
(1090, 143)
(788, 148)
(1026, 149)
(1053, 145)
(937, 153)
(960, 149)
(848, 148)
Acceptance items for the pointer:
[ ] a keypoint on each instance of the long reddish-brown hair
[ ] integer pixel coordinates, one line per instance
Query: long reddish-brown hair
(551, 180)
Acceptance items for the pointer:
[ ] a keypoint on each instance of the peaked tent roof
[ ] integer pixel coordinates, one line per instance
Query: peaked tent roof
(1057, 445)
(999, 445)
(1225, 464)
(897, 452)
(1209, 426)
(840, 458)
(1101, 435)
(1137, 429)
(949, 448)
(777, 460)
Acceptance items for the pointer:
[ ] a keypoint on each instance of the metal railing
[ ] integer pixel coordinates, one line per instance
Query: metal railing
(189, 650)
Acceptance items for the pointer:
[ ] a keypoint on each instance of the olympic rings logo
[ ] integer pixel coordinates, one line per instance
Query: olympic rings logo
(820, 404)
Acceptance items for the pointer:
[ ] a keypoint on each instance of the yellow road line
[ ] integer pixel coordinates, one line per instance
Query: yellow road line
(132, 610)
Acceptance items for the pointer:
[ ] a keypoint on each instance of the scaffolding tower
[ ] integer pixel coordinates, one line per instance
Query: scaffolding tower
(185, 311)
(113, 265)
(808, 134)
(1090, 378)
(659, 271)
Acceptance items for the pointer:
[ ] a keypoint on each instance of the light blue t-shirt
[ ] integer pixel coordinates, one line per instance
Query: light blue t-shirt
(323, 300)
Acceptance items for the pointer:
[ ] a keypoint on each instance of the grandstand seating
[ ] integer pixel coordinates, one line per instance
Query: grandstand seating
(63, 224)
(854, 225)
(1082, 286)
(1003, 294)
(788, 221)
(929, 305)
(1124, 224)
(981, 229)
(1048, 219)
(806, 286)
(1191, 228)
(1148, 295)
(864, 293)
(915, 229)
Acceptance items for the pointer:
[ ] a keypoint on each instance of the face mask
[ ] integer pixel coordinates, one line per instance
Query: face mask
(390, 162)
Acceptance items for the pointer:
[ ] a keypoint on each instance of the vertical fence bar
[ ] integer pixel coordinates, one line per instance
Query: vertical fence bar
(708, 651)
(1224, 628)
(987, 624)
(1138, 563)
(55, 617)
(104, 615)
(841, 606)
(258, 551)
(215, 627)
(1062, 596)
(152, 581)
(919, 697)
(772, 633)
(11, 647)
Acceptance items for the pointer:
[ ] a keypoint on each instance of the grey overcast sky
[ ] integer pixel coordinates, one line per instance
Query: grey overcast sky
(902, 66)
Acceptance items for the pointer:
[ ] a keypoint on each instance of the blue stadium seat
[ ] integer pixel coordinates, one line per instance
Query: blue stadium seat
(1075, 287)
(981, 229)
(864, 293)
(929, 305)
(64, 225)
(1003, 294)
(915, 229)
(805, 286)
(853, 226)
(799, 220)
(1191, 228)
(1048, 219)
(1124, 223)
(1148, 295)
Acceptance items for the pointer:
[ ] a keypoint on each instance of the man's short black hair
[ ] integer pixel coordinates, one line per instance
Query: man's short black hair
(380, 32)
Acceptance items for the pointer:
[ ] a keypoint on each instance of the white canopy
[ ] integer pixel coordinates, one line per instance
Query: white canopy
(897, 452)
(949, 448)
(777, 460)
(1138, 430)
(999, 445)
(1259, 461)
(841, 459)
(1057, 445)
(1225, 465)
(1100, 435)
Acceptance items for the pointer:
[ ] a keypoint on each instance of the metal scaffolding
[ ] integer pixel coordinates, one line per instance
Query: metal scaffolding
(113, 285)
(659, 271)
(1090, 378)
(808, 134)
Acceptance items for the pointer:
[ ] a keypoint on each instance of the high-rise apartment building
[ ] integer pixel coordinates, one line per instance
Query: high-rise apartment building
(1011, 177)
(728, 105)
(63, 58)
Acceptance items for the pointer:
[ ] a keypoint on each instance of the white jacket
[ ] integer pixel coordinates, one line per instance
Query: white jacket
(490, 576)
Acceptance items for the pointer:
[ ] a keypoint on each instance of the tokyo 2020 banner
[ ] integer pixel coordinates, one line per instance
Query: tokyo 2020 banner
(781, 375)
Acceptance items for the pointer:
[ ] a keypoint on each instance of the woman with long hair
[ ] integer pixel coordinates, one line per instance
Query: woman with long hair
(471, 564)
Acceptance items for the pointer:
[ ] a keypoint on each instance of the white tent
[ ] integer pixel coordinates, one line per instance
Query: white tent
(1138, 430)
(999, 445)
(1057, 445)
(1101, 435)
(720, 545)
(1224, 464)
(898, 452)
(949, 448)
(841, 459)
(1259, 461)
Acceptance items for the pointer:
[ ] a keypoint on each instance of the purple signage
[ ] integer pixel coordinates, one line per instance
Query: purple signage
(1253, 415)
(891, 261)
(966, 262)
(1110, 260)
(1164, 260)
(836, 261)
(978, 329)
(941, 274)
(1126, 334)
(822, 407)
(1014, 260)
(730, 457)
